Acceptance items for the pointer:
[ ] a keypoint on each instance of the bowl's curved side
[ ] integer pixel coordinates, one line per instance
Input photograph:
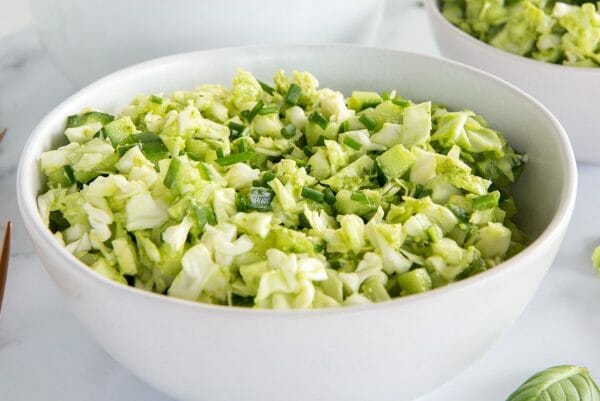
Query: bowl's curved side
(390, 354)
(571, 93)
(387, 351)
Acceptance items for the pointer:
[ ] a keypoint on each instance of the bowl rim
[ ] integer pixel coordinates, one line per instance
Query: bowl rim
(38, 232)
(433, 6)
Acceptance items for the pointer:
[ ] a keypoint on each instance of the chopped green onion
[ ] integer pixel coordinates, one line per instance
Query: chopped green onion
(288, 131)
(299, 162)
(518, 170)
(156, 99)
(508, 205)
(320, 141)
(319, 247)
(399, 101)
(57, 221)
(313, 194)
(486, 201)
(368, 105)
(234, 128)
(210, 216)
(352, 143)
(204, 215)
(205, 172)
(461, 213)
(269, 176)
(303, 221)
(220, 153)
(245, 132)
(172, 172)
(238, 300)
(250, 114)
(260, 199)
(344, 127)
(329, 196)
(267, 88)
(293, 94)
(243, 146)
(319, 119)
(70, 174)
(360, 198)
(241, 204)
(151, 145)
(353, 157)
(307, 151)
(194, 157)
(235, 158)
(367, 122)
(272, 109)
(421, 192)
(385, 95)
(260, 183)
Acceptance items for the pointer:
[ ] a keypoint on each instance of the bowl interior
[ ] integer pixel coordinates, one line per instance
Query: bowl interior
(546, 185)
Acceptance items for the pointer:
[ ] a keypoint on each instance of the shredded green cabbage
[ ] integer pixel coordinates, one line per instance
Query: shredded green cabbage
(562, 32)
(283, 196)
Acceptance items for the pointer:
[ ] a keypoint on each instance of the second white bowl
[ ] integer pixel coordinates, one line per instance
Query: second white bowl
(571, 93)
(89, 39)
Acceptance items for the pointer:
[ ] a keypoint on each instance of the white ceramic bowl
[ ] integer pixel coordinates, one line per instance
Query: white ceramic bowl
(89, 39)
(571, 93)
(389, 351)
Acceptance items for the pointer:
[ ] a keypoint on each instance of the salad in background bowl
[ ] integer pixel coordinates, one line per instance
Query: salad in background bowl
(559, 32)
(525, 34)
(195, 351)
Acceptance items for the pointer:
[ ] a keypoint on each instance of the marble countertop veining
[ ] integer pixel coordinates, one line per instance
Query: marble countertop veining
(45, 354)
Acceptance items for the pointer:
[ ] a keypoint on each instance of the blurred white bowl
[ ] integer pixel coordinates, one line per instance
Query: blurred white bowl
(571, 93)
(390, 351)
(89, 39)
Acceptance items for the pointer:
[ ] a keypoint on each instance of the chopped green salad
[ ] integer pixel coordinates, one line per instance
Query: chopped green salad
(282, 195)
(562, 32)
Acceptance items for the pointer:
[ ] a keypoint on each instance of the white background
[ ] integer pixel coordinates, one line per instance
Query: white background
(14, 16)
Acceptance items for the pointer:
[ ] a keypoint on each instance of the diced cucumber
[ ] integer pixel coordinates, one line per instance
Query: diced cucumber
(386, 112)
(110, 272)
(61, 177)
(179, 209)
(395, 161)
(345, 204)
(105, 167)
(151, 145)
(415, 281)
(373, 289)
(314, 132)
(361, 100)
(353, 176)
(493, 240)
(119, 130)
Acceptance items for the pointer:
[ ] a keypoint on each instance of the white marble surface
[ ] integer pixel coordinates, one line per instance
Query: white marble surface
(46, 355)
(14, 16)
